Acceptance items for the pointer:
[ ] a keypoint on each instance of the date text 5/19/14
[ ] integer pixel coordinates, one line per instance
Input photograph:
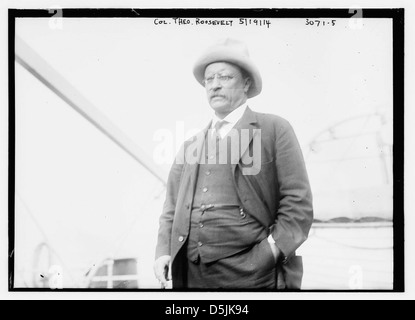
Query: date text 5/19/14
(256, 22)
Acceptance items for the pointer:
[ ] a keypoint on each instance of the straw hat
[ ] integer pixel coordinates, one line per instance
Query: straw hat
(231, 51)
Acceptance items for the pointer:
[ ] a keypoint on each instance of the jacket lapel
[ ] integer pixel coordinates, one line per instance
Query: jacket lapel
(243, 127)
(193, 157)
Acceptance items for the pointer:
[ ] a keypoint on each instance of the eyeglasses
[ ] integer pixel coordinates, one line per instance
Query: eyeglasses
(222, 78)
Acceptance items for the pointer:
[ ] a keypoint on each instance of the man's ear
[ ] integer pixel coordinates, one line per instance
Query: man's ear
(247, 84)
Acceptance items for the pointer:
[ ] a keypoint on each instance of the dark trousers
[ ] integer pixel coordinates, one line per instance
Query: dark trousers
(253, 268)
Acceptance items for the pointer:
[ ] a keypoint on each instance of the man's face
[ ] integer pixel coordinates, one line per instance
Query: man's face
(225, 87)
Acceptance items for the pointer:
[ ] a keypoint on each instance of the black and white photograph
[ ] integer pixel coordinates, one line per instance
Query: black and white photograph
(206, 150)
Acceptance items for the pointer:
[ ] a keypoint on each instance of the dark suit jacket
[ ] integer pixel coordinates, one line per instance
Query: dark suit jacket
(279, 196)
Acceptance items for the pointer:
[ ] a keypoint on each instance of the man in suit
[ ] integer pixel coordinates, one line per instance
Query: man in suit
(238, 200)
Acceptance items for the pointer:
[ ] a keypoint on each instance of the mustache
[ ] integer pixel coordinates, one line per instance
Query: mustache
(213, 95)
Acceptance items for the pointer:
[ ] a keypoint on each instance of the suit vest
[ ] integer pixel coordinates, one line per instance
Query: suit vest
(219, 226)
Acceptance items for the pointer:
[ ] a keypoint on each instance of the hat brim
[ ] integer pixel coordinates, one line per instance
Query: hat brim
(233, 57)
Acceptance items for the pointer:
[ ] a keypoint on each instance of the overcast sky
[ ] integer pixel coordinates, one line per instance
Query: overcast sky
(140, 74)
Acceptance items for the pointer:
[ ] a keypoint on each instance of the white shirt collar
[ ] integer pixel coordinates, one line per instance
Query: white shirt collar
(233, 117)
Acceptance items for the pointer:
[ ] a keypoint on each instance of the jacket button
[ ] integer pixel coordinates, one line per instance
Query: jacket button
(242, 212)
(181, 238)
(205, 189)
(200, 244)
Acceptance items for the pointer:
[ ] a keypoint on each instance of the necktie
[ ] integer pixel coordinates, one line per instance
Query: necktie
(217, 128)
(213, 142)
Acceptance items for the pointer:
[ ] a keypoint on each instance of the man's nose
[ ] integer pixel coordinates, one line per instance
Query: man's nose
(216, 83)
